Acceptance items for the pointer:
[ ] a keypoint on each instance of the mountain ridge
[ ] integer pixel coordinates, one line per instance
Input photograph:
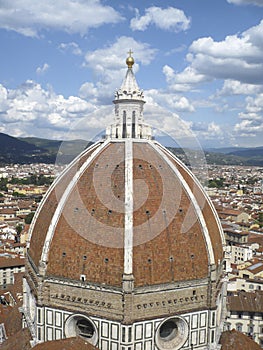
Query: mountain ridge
(41, 150)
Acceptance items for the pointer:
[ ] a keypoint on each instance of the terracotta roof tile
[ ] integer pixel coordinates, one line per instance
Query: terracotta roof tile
(246, 301)
(66, 344)
(234, 340)
(168, 235)
(18, 341)
(7, 261)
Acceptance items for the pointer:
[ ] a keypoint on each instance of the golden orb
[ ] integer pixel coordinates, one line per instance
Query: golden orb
(130, 60)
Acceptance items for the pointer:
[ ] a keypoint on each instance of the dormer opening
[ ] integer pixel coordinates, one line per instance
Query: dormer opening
(124, 127)
(133, 124)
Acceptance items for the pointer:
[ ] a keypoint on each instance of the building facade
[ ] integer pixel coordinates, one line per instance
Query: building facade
(245, 314)
(126, 249)
(10, 264)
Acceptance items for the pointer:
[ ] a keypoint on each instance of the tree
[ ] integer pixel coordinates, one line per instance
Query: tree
(29, 218)
(3, 183)
(216, 183)
(19, 229)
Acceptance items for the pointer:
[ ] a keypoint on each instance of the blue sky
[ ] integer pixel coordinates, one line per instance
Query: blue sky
(200, 64)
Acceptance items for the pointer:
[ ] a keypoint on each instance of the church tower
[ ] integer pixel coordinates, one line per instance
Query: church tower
(129, 101)
(126, 249)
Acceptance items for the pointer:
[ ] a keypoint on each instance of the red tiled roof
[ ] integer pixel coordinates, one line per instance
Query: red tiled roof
(18, 341)
(177, 252)
(12, 319)
(233, 340)
(246, 301)
(66, 344)
(11, 262)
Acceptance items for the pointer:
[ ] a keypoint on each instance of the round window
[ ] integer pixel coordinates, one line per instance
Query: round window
(85, 328)
(171, 333)
(80, 325)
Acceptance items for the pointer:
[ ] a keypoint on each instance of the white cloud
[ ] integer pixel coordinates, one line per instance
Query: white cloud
(171, 101)
(114, 55)
(170, 124)
(234, 87)
(71, 47)
(246, 2)
(251, 118)
(29, 18)
(247, 127)
(232, 47)
(171, 19)
(43, 69)
(255, 105)
(185, 80)
(209, 131)
(31, 110)
(105, 64)
(236, 58)
(89, 92)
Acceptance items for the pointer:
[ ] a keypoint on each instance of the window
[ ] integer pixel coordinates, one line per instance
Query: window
(39, 334)
(84, 328)
(130, 334)
(213, 319)
(228, 326)
(213, 336)
(124, 131)
(39, 316)
(123, 334)
(250, 330)
(239, 327)
(251, 286)
(83, 278)
(172, 333)
(80, 325)
(133, 124)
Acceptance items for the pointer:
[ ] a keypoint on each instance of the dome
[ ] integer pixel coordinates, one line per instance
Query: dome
(126, 248)
(116, 192)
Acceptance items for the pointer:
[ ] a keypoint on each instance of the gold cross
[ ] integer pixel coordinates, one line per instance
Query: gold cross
(130, 52)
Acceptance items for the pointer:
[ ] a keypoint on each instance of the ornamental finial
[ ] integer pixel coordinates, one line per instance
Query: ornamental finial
(130, 59)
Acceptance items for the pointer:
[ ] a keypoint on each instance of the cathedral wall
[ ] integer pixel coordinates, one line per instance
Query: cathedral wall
(169, 302)
(200, 330)
(128, 307)
(89, 299)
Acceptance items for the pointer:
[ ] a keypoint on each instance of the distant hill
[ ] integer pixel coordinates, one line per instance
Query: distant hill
(248, 152)
(225, 150)
(61, 151)
(13, 150)
(38, 150)
(51, 145)
(248, 156)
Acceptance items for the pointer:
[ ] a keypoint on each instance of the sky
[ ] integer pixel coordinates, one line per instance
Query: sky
(200, 64)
